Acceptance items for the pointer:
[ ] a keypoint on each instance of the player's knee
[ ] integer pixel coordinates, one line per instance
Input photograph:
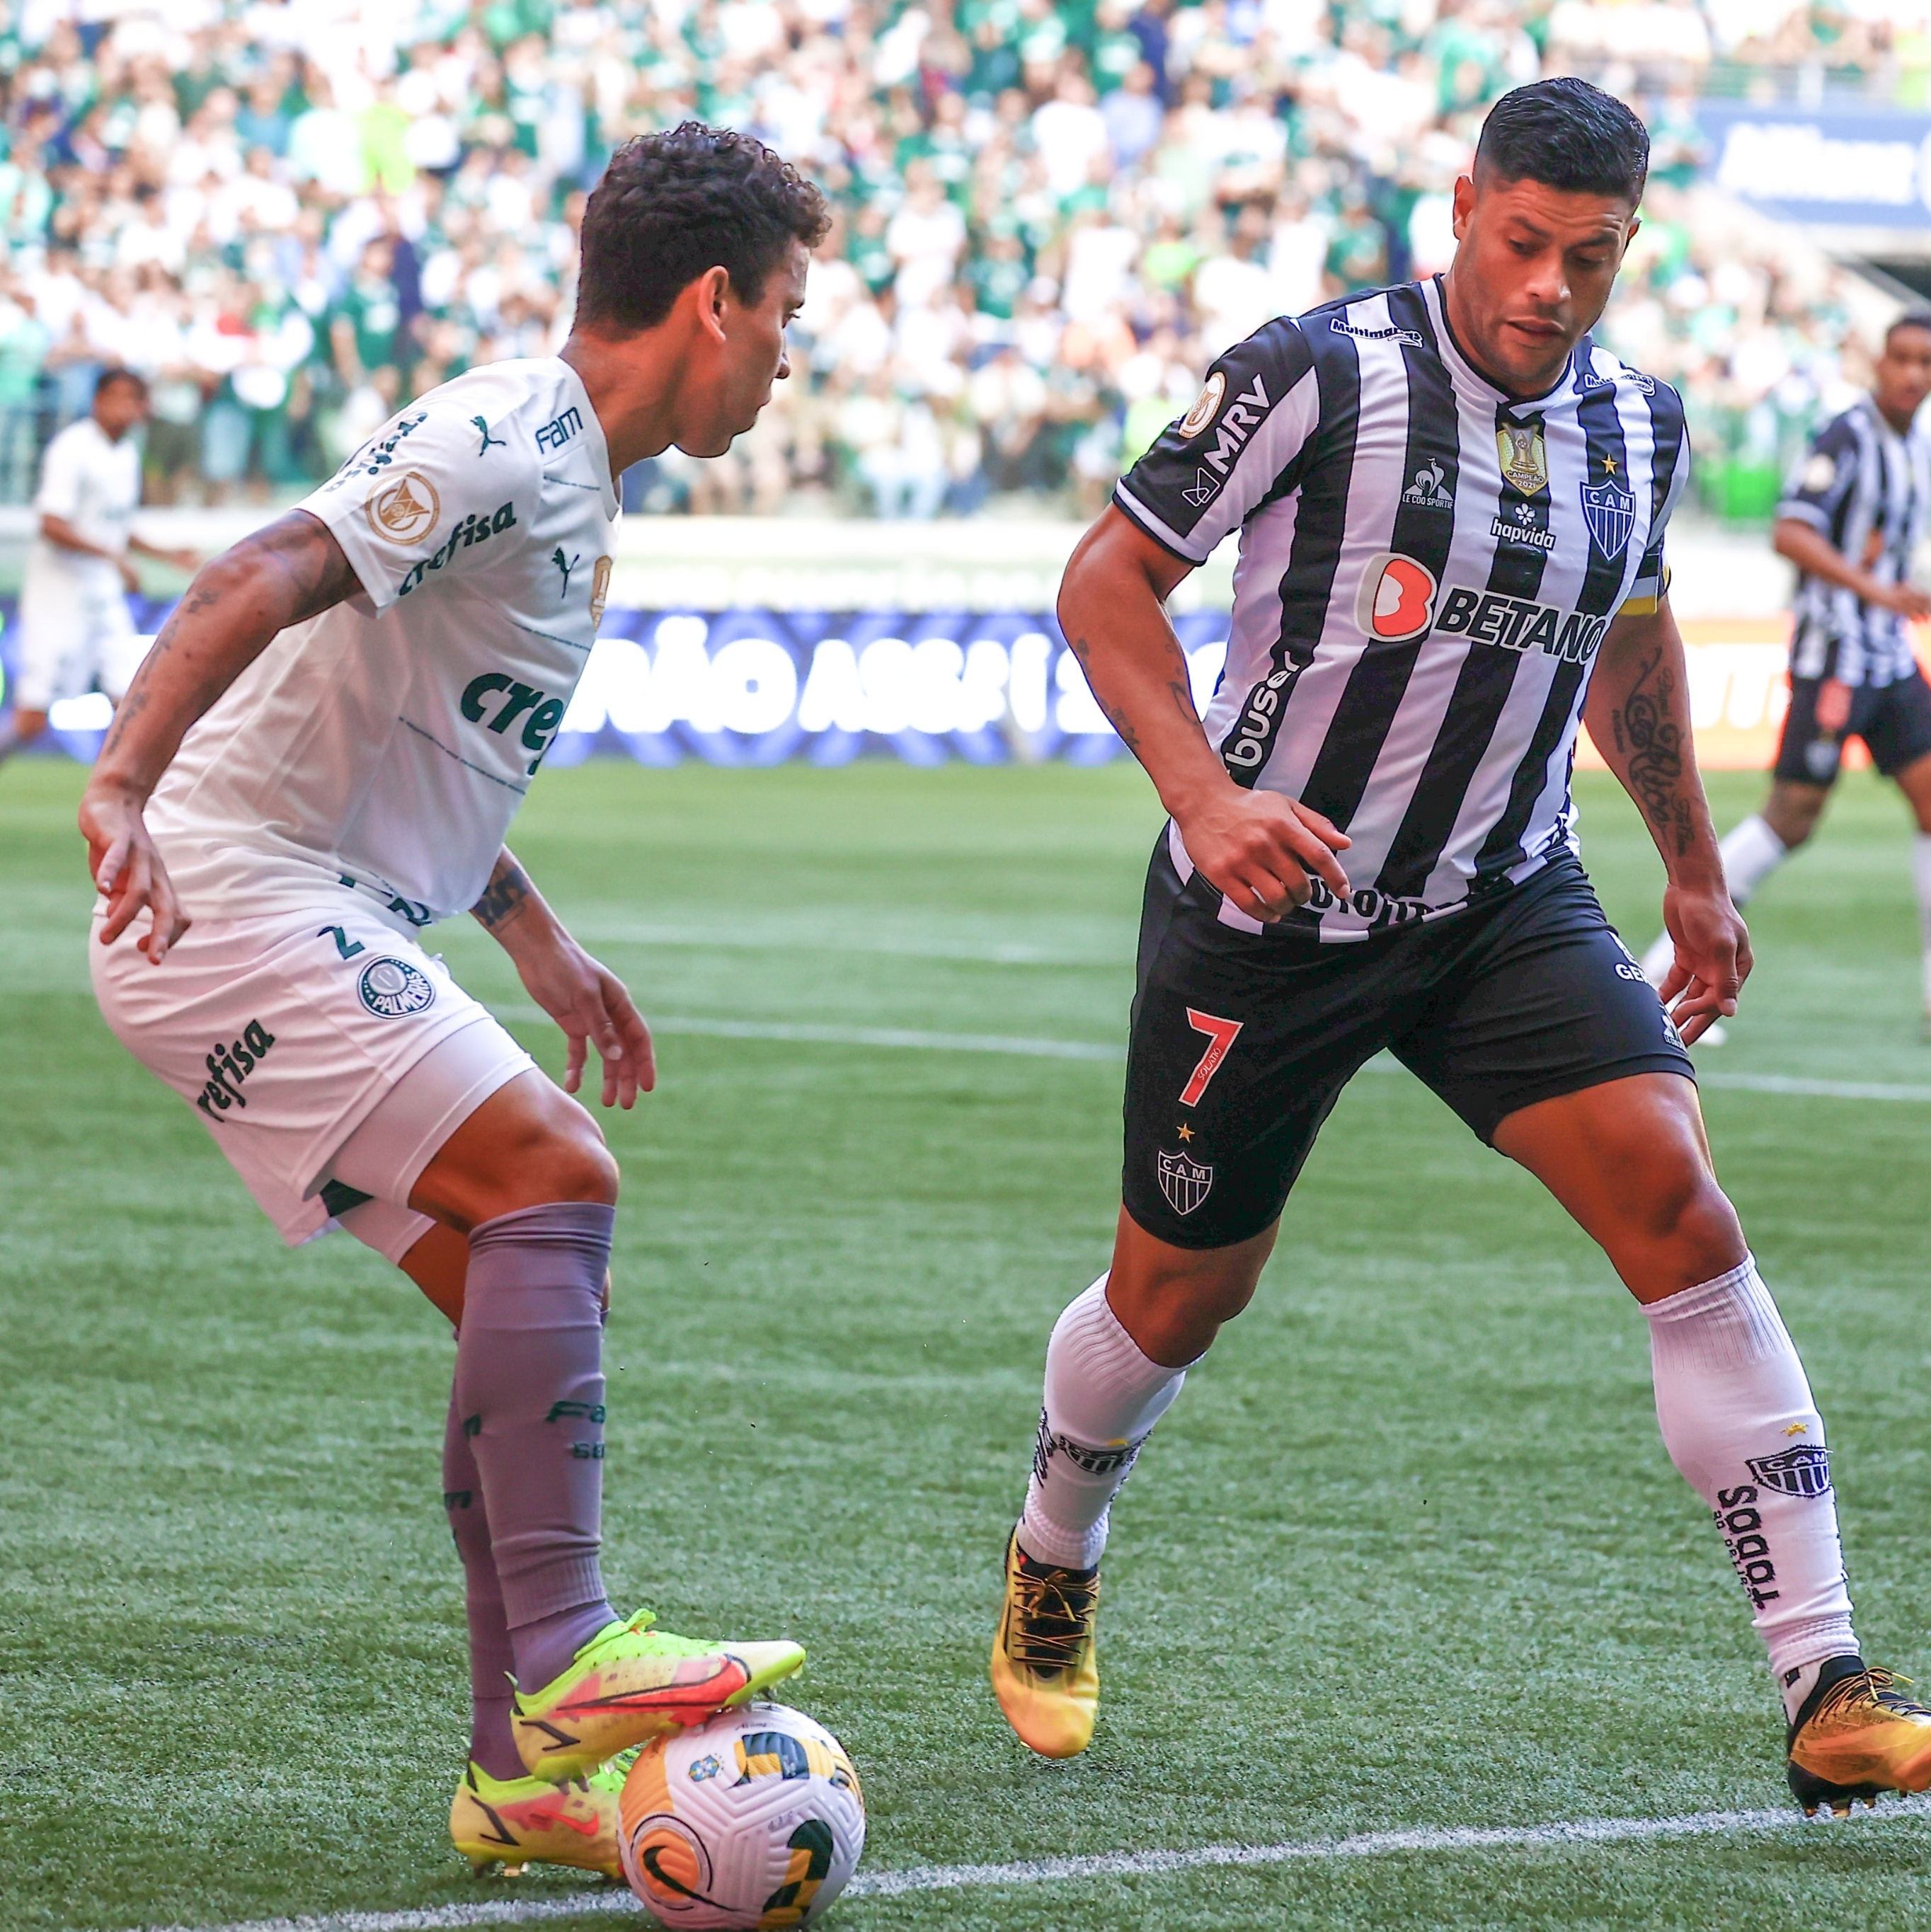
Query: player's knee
(578, 1166)
(1692, 1221)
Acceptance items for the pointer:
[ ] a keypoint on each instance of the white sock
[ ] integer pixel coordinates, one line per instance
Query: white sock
(1740, 1425)
(1920, 874)
(1103, 1396)
(1751, 853)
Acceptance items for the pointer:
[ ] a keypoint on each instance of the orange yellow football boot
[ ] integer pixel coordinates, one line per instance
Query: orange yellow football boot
(515, 1822)
(1857, 1735)
(1046, 1660)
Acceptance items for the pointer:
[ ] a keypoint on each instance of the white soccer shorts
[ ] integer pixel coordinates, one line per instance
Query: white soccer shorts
(73, 633)
(285, 1033)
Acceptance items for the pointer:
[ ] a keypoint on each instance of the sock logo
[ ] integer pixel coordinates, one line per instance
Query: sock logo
(457, 1499)
(587, 1452)
(1113, 1459)
(589, 1411)
(1804, 1470)
(1748, 1547)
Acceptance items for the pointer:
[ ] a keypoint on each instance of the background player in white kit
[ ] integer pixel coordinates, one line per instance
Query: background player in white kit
(321, 756)
(74, 630)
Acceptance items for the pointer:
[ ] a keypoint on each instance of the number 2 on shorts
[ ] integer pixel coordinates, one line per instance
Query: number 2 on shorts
(1221, 1035)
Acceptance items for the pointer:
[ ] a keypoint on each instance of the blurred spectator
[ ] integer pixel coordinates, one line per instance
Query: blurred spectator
(291, 217)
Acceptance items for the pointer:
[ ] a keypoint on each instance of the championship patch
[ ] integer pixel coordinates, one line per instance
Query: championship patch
(403, 508)
(1819, 473)
(1804, 1470)
(1524, 455)
(599, 589)
(1184, 1181)
(1208, 401)
(393, 989)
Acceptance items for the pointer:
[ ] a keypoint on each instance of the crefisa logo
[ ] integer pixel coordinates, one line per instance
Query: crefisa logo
(1397, 598)
(392, 988)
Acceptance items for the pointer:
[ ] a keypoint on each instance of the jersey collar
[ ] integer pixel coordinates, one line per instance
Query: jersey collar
(1434, 293)
(599, 450)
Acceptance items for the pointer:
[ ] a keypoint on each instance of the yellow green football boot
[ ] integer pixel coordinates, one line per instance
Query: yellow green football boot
(1046, 1658)
(515, 1822)
(630, 1684)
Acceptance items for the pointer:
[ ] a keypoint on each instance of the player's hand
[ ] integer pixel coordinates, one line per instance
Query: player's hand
(1713, 958)
(131, 577)
(1906, 599)
(186, 561)
(1262, 849)
(128, 871)
(589, 1003)
(1833, 706)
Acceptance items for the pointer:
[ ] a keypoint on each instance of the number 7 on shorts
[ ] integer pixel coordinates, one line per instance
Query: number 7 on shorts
(1221, 1035)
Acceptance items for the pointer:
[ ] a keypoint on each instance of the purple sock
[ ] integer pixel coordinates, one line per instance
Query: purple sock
(530, 1386)
(492, 1744)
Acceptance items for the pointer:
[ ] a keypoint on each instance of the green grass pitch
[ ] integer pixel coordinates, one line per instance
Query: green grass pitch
(1408, 1552)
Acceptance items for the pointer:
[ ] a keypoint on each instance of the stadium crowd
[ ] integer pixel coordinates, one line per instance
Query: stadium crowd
(291, 215)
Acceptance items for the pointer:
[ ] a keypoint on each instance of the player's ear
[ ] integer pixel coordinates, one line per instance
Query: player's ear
(1464, 205)
(713, 291)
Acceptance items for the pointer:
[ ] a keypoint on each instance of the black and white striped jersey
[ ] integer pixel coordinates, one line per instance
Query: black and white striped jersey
(1426, 568)
(1867, 490)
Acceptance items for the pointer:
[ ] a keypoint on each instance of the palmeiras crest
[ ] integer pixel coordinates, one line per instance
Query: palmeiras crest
(1184, 1181)
(1610, 511)
(1804, 1470)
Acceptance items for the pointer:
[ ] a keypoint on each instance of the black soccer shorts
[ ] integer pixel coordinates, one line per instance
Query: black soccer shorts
(1893, 720)
(1241, 1043)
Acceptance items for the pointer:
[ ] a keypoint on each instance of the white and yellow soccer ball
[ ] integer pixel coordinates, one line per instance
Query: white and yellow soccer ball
(753, 1818)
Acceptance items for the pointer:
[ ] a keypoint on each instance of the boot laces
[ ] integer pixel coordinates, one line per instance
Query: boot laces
(1874, 1689)
(1052, 1616)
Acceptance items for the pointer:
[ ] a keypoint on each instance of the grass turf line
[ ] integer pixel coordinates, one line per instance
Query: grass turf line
(1408, 1555)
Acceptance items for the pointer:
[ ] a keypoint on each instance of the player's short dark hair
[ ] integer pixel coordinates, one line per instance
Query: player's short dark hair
(1566, 134)
(108, 378)
(1912, 318)
(674, 204)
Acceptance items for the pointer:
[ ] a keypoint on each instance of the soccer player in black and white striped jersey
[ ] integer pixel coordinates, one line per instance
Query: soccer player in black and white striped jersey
(1451, 508)
(1856, 512)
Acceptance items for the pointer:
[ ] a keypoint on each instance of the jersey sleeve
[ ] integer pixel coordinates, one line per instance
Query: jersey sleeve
(1672, 444)
(412, 498)
(59, 493)
(1816, 492)
(1208, 472)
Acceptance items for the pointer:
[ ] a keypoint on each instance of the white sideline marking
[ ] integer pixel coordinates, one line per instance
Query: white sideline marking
(1580, 1833)
(1083, 1049)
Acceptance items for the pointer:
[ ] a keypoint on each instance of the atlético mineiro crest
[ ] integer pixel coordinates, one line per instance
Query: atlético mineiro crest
(1804, 1470)
(1610, 511)
(1184, 1181)
(392, 988)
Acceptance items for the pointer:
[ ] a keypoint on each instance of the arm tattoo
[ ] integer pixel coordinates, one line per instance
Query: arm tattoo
(1179, 688)
(508, 892)
(1650, 737)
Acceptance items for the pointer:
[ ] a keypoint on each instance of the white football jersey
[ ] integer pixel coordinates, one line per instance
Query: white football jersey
(95, 485)
(385, 745)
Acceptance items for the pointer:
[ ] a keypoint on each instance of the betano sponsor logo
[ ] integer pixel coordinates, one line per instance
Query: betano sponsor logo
(1519, 624)
(1396, 600)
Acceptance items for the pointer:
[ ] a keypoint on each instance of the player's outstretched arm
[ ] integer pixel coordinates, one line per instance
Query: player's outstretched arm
(291, 571)
(1637, 712)
(585, 998)
(1258, 846)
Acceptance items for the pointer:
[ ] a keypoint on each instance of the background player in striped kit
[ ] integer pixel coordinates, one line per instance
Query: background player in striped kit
(1451, 508)
(1856, 511)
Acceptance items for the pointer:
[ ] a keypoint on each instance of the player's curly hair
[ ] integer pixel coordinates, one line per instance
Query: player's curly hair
(674, 204)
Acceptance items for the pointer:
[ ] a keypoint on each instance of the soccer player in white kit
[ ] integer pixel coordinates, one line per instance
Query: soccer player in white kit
(74, 630)
(319, 758)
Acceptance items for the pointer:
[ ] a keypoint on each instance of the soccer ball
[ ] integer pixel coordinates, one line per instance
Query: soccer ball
(753, 1818)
